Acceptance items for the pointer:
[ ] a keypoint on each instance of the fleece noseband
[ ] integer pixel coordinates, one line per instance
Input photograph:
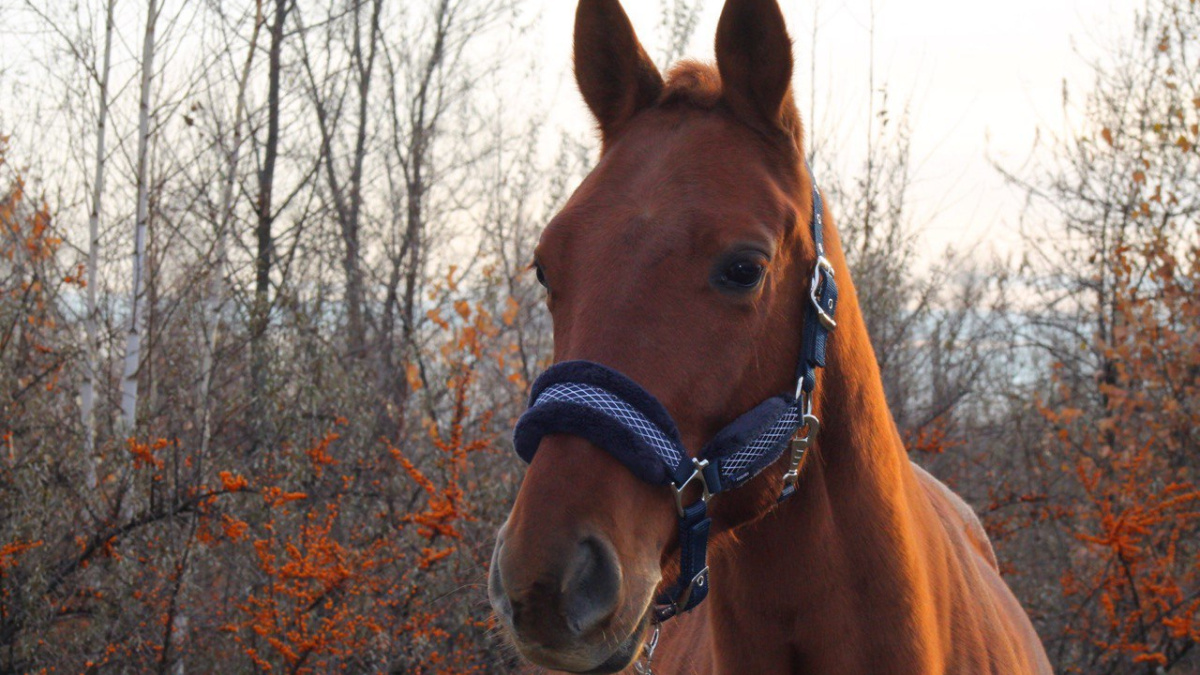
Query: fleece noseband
(586, 399)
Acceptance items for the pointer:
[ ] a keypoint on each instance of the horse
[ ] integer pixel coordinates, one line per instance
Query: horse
(682, 263)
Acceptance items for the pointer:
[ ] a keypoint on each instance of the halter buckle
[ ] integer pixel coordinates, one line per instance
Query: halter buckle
(823, 266)
(697, 474)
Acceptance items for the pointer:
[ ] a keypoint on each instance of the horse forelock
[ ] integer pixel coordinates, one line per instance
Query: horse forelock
(694, 83)
(698, 85)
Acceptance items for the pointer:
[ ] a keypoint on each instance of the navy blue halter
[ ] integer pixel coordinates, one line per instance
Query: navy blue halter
(586, 399)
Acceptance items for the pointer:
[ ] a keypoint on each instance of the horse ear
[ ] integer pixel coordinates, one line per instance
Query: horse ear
(615, 76)
(754, 55)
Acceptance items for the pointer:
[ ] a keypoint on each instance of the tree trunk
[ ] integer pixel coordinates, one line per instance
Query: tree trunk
(88, 392)
(215, 293)
(423, 125)
(411, 145)
(261, 311)
(350, 207)
(129, 385)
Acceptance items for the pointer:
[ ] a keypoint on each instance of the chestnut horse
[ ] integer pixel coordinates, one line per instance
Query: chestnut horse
(683, 262)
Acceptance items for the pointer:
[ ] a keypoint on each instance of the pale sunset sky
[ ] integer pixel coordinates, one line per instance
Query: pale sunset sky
(980, 80)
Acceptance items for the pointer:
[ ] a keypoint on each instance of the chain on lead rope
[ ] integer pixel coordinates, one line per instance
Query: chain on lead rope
(646, 665)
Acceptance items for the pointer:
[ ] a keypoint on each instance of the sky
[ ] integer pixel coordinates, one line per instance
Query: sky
(980, 80)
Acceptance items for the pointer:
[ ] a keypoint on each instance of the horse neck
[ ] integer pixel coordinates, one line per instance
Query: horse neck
(848, 541)
(859, 445)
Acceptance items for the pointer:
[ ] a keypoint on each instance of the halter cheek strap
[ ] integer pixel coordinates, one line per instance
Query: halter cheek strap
(586, 399)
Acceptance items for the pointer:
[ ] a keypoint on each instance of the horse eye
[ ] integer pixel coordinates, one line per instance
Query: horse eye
(743, 274)
(541, 275)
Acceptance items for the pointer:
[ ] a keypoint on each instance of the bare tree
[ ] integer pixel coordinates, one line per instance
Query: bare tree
(346, 191)
(129, 386)
(215, 298)
(88, 389)
(265, 217)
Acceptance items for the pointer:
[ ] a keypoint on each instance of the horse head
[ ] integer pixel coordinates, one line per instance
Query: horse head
(682, 262)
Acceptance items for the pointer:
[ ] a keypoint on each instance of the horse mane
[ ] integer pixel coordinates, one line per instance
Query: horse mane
(697, 84)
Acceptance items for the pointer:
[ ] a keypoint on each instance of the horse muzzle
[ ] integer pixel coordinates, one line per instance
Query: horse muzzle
(565, 612)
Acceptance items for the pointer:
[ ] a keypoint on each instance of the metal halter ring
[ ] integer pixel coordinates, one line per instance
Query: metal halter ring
(814, 292)
(803, 398)
(699, 580)
(667, 610)
(697, 474)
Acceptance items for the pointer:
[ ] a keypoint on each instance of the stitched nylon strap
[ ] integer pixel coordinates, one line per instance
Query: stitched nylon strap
(667, 448)
(591, 401)
(691, 586)
(823, 297)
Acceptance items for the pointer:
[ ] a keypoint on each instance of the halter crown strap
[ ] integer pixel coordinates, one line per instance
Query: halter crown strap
(589, 400)
(823, 296)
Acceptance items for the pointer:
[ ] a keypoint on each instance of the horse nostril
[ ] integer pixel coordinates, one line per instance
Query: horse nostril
(592, 586)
